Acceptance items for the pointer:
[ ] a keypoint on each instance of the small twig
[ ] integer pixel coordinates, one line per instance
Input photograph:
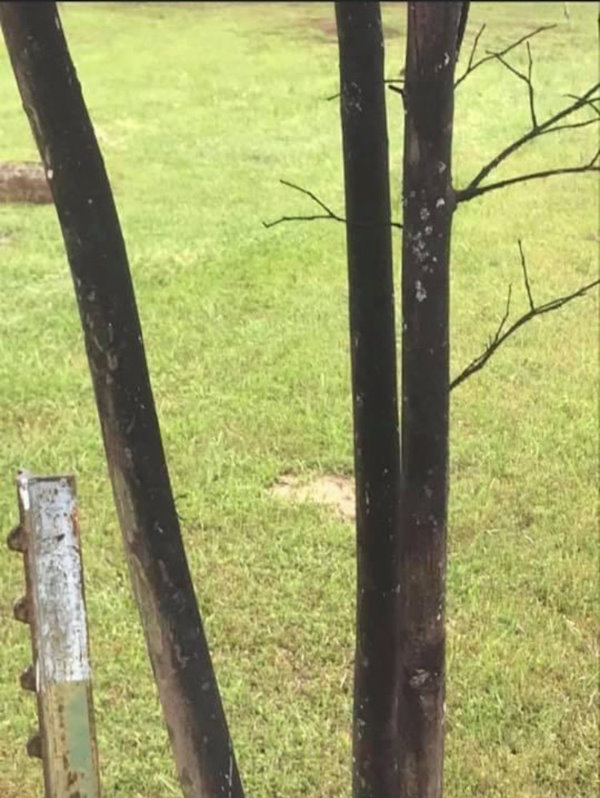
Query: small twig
(474, 49)
(526, 276)
(530, 87)
(473, 65)
(504, 318)
(500, 337)
(549, 125)
(399, 91)
(526, 79)
(386, 80)
(589, 101)
(571, 126)
(329, 214)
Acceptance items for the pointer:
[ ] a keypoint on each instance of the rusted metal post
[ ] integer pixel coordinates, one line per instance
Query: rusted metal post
(95, 248)
(54, 606)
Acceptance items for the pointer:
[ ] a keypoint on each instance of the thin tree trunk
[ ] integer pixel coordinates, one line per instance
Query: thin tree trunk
(163, 588)
(374, 394)
(432, 40)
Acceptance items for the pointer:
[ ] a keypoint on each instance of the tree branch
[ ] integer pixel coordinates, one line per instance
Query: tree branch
(526, 276)
(469, 69)
(473, 65)
(329, 214)
(398, 90)
(500, 337)
(469, 193)
(386, 80)
(534, 123)
(571, 126)
(548, 126)
(589, 102)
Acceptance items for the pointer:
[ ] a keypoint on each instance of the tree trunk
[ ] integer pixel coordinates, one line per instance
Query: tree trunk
(428, 199)
(163, 588)
(374, 395)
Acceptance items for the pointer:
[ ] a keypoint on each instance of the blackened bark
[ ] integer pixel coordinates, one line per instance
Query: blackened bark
(432, 40)
(374, 393)
(95, 248)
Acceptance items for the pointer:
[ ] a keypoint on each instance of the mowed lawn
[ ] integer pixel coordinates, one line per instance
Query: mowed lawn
(200, 109)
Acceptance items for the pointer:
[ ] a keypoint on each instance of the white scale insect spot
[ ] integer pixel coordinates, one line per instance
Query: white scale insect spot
(439, 203)
(420, 291)
(49, 174)
(112, 361)
(424, 214)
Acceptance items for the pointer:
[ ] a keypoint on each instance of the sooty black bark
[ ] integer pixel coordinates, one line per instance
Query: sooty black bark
(374, 393)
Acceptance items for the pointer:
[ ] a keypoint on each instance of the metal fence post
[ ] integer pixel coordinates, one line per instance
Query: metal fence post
(54, 606)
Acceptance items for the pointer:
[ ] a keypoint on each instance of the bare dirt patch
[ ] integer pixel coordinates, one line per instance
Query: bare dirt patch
(334, 491)
(24, 182)
(327, 27)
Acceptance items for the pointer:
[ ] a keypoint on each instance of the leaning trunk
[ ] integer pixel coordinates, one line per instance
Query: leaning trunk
(374, 395)
(163, 588)
(428, 200)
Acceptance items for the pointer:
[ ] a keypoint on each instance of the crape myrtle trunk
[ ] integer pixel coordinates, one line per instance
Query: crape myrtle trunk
(428, 201)
(374, 396)
(95, 248)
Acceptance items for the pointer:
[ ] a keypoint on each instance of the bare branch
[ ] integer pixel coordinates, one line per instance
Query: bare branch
(504, 318)
(313, 197)
(589, 101)
(473, 65)
(386, 80)
(469, 193)
(398, 90)
(500, 337)
(571, 126)
(526, 79)
(328, 213)
(530, 88)
(474, 48)
(526, 276)
(548, 126)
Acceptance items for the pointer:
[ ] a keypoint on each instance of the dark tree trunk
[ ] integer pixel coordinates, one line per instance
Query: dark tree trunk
(163, 588)
(374, 394)
(428, 199)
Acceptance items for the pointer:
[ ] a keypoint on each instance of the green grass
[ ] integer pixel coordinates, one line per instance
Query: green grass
(200, 109)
